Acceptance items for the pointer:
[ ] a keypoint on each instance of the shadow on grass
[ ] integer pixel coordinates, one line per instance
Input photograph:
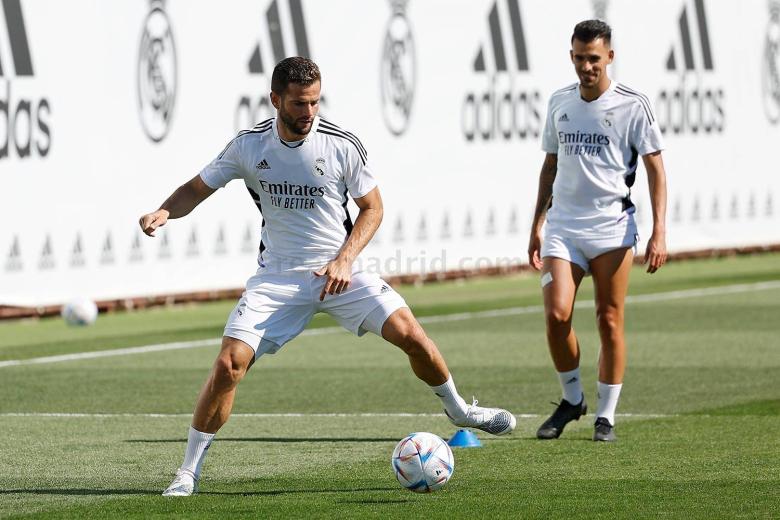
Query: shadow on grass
(376, 501)
(79, 491)
(274, 492)
(764, 407)
(270, 492)
(277, 439)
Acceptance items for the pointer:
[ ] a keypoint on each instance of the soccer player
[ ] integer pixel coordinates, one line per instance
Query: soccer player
(299, 170)
(595, 131)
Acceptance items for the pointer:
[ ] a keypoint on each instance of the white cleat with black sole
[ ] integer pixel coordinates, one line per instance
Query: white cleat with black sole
(183, 485)
(496, 421)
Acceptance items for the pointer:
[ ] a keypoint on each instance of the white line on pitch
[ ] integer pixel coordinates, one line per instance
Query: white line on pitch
(281, 415)
(461, 316)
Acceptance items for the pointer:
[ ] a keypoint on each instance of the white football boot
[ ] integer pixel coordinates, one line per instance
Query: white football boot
(492, 420)
(183, 485)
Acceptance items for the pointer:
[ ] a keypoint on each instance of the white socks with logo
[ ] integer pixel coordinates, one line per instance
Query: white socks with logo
(197, 445)
(454, 404)
(608, 399)
(571, 384)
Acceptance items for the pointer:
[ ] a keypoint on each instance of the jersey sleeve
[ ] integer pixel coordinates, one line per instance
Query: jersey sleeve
(645, 131)
(550, 135)
(224, 168)
(358, 175)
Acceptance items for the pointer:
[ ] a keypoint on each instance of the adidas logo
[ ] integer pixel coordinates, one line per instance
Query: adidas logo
(276, 37)
(33, 135)
(563, 119)
(694, 105)
(263, 165)
(385, 289)
(693, 52)
(502, 108)
(498, 47)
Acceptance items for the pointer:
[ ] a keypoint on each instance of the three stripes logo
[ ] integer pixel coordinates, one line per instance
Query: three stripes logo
(283, 34)
(501, 109)
(704, 60)
(694, 105)
(276, 37)
(27, 120)
(497, 43)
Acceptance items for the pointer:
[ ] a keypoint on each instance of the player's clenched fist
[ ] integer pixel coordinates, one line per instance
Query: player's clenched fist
(151, 221)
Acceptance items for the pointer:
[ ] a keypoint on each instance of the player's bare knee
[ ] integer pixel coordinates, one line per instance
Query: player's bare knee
(558, 318)
(414, 341)
(609, 318)
(228, 371)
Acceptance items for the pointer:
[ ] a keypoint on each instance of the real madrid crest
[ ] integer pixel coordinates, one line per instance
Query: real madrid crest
(607, 121)
(156, 72)
(771, 69)
(319, 167)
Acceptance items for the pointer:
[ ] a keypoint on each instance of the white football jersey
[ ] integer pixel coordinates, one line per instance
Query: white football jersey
(598, 144)
(300, 189)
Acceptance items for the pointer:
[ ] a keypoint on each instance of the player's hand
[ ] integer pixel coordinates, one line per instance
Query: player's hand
(151, 221)
(534, 251)
(655, 254)
(339, 273)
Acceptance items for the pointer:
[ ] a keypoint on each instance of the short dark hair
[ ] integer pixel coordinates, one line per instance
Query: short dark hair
(301, 71)
(590, 30)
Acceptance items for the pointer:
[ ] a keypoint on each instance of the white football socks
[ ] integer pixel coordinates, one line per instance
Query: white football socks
(197, 445)
(571, 384)
(454, 404)
(608, 400)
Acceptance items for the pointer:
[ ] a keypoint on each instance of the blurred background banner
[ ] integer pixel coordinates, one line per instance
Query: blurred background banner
(106, 107)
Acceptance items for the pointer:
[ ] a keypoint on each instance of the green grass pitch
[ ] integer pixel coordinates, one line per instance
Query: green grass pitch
(698, 430)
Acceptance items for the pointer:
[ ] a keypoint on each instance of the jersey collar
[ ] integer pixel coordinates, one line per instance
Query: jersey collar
(610, 90)
(275, 130)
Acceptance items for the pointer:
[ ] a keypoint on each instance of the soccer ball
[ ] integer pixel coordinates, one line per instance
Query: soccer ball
(423, 462)
(80, 312)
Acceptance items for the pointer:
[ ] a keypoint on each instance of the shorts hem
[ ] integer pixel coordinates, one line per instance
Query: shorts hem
(388, 308)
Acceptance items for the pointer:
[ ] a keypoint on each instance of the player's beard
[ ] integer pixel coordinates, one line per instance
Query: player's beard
(589, 80)
(293, 125)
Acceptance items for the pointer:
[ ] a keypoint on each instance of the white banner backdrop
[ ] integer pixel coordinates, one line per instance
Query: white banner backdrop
(100, 125)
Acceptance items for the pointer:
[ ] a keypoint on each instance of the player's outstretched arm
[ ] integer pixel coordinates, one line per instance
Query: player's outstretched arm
(655, 254)
(179, 204)
(339, 271)
(546, 179)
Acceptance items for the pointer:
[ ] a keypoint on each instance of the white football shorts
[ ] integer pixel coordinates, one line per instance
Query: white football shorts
(277, 306)
(581, 251)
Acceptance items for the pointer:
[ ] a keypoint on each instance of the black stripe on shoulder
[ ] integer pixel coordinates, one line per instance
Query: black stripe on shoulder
(348, 136)
(631, 90)
(565, 89)
(263, 123)
(332, 126)
(243, 133)
(641, 103)
(635, 92)
(327, 131)
(641, 98)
